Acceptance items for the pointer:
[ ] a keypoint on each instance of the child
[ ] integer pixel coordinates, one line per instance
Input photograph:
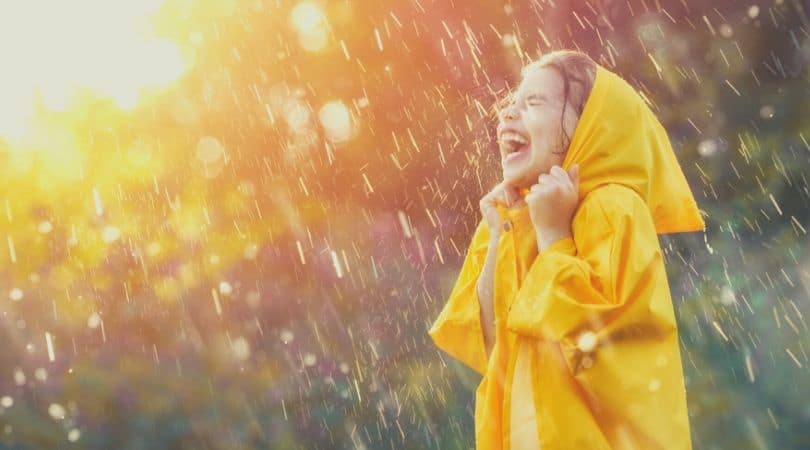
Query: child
(574, 333)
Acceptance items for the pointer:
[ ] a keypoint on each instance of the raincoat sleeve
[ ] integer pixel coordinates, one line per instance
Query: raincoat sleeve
(458, 330)
(607, 280)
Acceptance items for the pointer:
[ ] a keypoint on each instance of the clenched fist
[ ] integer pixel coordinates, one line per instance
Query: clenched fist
(552, 203)
(503, 194)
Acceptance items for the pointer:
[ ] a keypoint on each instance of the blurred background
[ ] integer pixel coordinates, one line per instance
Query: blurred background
(228, 224)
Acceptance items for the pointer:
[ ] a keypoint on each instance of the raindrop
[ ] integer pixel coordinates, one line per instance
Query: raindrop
(97, 202)
(225, 288)
(153, 249)
(94, 320)
(587, 341)
(336, 264)
(49, 345)
(767, 112)
(508, 39)
(727, 296)
(707, 147)
(45, 227)
(74, 435)
(19, 377)
(250, 252)
(403, 222)
(241, 348)
(337, 121)
(110, 234)
(247, 188)
(296, 114)
(16, 294)
(210, 150)
(56, 411)
(310, 23)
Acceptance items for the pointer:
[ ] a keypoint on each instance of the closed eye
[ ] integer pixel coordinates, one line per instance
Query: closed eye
(535, 99)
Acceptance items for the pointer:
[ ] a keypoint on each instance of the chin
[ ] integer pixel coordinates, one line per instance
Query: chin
(520, 176)
(517, 179)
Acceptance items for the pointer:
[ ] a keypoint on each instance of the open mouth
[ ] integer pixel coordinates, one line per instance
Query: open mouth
(514, 145)
(517, 153)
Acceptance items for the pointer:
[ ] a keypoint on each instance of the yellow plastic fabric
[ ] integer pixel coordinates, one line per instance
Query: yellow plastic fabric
(590, 318)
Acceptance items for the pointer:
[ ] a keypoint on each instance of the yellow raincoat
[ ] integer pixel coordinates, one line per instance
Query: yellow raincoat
(586, 353)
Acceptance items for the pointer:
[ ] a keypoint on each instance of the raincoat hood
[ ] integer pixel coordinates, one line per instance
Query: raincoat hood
(619, 140)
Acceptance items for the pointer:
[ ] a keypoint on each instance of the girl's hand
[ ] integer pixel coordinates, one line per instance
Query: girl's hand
(502, 193)
(552, 203)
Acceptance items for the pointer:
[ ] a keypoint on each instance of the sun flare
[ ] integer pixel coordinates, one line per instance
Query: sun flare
(52, 49)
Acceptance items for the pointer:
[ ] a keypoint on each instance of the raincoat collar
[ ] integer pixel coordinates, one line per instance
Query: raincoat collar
(619, 140)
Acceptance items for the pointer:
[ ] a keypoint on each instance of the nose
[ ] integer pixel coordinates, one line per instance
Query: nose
(508, 112)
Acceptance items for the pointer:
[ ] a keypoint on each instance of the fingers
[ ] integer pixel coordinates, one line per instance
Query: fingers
(495, 200)
(561, 176)
(509, 194)
(553, 178)
(557, 171)
(558, 178)
(488, 201)
(502, 194)
(543, 189)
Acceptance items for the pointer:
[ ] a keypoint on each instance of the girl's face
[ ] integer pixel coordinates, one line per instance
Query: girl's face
(529, 129)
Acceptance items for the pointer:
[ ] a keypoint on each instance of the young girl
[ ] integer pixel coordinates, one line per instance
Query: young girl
(562, 303)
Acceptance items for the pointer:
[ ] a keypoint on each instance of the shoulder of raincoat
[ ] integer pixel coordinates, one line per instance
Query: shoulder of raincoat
(609, 270)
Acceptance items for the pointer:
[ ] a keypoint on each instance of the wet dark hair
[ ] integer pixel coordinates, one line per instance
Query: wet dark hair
(578, 72)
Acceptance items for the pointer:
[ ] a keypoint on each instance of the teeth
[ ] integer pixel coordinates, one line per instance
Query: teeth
(513, 137)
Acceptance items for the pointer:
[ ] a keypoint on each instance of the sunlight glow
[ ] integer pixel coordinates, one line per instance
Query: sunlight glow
(51, 49)
(337, 121)
(310, 23)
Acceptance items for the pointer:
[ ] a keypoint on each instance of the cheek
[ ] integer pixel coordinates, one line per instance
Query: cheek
(542, 156)
(543, 125)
